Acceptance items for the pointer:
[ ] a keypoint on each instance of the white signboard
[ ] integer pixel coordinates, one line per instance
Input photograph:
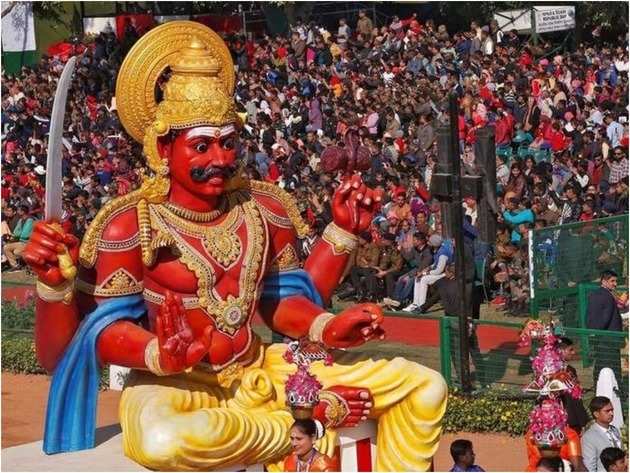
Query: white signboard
(18, 27)
(94, 25)
(165, 18)
(550, 18)
(520, 20)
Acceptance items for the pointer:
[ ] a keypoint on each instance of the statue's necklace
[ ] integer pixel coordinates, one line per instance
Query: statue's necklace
(193, 216)
(220, 241)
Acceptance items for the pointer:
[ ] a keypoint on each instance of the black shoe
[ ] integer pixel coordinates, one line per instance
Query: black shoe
(345, 295)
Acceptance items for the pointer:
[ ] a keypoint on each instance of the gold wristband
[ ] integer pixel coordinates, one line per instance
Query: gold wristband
(152, 358)
(341, 240)
(317, 326)
(62, 293)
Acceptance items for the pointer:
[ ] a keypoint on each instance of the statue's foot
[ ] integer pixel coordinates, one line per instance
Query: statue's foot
(343, 406)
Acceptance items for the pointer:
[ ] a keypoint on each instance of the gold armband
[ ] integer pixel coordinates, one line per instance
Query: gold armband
(152, 358)
(341, 240)
(317, 326)
(62, 293)
(337, 408)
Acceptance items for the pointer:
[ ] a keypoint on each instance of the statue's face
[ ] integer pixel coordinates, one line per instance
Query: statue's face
(201, 159)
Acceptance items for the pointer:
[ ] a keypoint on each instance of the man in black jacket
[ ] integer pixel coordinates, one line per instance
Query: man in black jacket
(603, 314)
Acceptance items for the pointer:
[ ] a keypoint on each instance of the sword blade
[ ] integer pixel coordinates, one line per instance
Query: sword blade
(53, 202)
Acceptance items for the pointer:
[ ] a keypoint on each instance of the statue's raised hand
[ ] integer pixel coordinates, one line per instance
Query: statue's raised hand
(353, 205)
(354, 326)
(52, 253)
(179, 350)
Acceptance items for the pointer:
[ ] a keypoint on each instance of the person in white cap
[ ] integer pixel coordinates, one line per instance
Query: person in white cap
(443, 256)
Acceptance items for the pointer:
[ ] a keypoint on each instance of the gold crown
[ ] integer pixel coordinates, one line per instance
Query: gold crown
(195, 95)
(198, 92)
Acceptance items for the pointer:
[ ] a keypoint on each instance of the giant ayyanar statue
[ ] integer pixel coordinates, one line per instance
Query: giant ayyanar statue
(169, 278)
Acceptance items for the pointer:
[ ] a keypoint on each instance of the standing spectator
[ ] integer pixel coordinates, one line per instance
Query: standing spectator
(602, 313)
(21, 233)
(600, 435)
(364, 26)
(614, 130)
(577, 415)
(463, 456)
(618, 166)
(614, 459)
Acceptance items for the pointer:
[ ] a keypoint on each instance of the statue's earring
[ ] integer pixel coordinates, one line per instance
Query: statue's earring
(163, 170)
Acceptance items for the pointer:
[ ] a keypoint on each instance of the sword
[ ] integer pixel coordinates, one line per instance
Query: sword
(53, 202)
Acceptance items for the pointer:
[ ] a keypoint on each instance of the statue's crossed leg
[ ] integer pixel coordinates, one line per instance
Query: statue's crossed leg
(189, 422)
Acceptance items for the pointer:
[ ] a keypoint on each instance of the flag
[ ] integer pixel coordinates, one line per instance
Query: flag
(18, 36)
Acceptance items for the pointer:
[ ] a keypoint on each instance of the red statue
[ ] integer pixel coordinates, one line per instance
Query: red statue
(171, 276)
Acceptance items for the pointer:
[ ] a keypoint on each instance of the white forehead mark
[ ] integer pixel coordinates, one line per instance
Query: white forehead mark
(211, 131)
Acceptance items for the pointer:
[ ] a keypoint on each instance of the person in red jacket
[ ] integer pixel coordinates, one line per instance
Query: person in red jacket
(504, 127)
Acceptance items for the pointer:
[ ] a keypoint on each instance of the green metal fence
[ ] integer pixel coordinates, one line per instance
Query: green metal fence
(496, 358)
(562, 258)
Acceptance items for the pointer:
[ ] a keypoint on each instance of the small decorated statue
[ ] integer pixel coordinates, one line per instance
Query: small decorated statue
(170, 277)
(549, 434)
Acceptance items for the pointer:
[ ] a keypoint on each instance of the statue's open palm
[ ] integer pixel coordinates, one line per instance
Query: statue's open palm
(179, 350)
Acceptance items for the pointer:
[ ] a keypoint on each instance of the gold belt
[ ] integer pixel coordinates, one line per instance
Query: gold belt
(157, 298)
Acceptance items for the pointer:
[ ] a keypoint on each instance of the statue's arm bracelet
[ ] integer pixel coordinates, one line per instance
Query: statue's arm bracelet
(152, 358)
(341, 240)
(62, 293)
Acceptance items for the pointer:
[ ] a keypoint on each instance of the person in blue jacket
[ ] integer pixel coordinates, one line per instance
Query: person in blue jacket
(513, 217)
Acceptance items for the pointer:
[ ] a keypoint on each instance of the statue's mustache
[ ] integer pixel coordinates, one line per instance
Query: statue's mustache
(201, 174)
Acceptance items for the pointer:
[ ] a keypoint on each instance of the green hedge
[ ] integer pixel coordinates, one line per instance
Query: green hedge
(18, 316)
(18, 356)
(494, 410)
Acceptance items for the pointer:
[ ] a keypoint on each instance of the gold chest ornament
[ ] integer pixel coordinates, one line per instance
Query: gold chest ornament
(222, 244)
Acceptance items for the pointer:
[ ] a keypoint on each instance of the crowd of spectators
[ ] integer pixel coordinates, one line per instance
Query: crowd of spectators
(560, 120)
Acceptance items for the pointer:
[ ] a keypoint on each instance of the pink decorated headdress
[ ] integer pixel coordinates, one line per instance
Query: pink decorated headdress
(547, 422)
(302, 388)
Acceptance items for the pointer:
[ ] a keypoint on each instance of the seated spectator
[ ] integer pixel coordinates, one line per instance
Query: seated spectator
(366, 261)
(387, 269)
(418, 258)
(16, 242)
(442, 257)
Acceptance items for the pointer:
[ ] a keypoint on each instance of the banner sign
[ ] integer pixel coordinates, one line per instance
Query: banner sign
(165, 18)
(519, 20)
(141, 22)
(549, 18)
(18, 27)
(98, 24)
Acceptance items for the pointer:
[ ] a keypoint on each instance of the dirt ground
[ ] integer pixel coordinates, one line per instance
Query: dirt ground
(24, 408)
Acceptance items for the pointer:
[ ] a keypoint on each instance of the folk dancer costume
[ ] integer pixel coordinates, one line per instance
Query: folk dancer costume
(227, 410)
